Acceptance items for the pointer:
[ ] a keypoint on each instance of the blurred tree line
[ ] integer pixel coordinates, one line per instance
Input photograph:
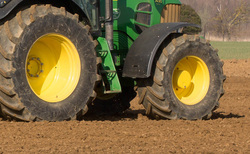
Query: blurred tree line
(223, 19)
(189, 15)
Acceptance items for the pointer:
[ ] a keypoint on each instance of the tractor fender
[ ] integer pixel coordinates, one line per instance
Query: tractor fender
(6, 10)
(140, 57)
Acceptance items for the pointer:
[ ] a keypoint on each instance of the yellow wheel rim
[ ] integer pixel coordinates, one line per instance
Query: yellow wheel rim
(53, 68)
(190, 80)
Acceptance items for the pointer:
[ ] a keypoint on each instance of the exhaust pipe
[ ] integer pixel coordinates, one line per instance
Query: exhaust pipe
(109, 23)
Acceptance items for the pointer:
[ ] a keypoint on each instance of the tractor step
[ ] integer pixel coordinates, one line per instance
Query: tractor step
(111, 82)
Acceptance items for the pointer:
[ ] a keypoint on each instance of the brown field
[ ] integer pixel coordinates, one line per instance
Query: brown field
(228, 131)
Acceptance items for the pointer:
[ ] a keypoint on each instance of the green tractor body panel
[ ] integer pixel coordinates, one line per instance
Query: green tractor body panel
(131, 18)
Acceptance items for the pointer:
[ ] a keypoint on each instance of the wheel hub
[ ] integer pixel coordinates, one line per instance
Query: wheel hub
(34, 67)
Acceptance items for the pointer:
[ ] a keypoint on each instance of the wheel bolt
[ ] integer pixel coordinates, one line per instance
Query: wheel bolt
(28, 70)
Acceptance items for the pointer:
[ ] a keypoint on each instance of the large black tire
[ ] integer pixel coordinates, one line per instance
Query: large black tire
(17, 99)
(157, 94)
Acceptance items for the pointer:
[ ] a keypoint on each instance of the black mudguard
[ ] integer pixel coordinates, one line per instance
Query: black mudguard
(4, 11)
(139, 60)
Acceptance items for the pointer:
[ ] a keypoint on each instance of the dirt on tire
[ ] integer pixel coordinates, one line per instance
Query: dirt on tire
(132, 132)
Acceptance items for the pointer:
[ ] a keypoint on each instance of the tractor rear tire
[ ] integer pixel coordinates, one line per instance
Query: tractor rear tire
(187, 81)
(48, 65)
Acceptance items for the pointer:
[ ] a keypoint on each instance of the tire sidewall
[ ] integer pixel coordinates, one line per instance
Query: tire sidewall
(206, 53)
(75, 32)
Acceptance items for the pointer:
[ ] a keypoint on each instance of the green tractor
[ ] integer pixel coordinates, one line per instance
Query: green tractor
(59, 57)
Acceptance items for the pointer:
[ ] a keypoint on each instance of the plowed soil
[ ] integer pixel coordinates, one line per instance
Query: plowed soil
(228, 131)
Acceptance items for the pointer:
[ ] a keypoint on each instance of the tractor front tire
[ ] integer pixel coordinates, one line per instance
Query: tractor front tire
(48, 65)
(187, 81)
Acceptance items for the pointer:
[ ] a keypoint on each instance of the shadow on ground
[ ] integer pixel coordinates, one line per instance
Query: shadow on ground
(222, 115)
(126, 115)
(129, 114)
(134, 114)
